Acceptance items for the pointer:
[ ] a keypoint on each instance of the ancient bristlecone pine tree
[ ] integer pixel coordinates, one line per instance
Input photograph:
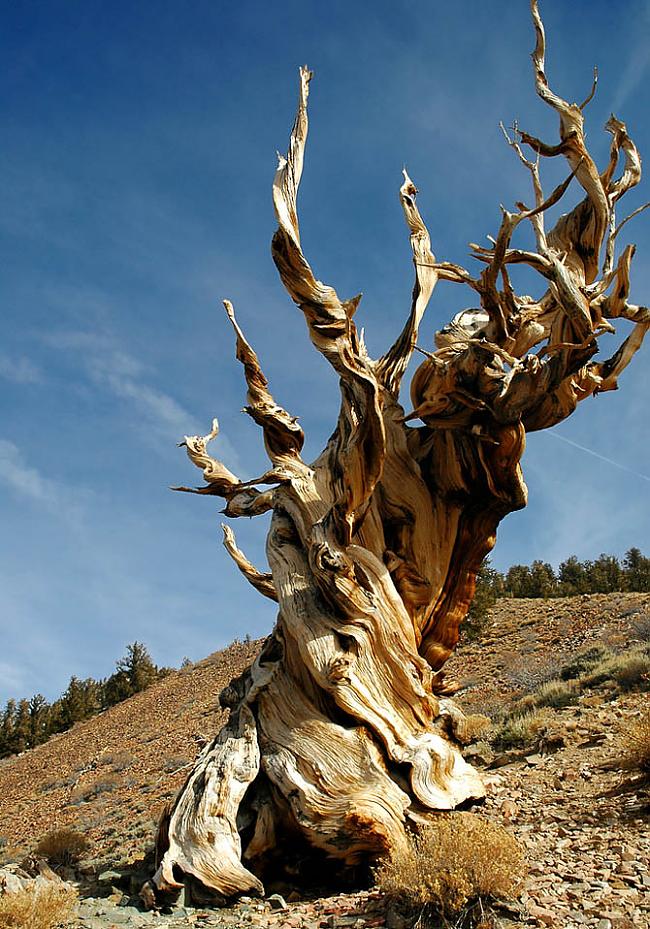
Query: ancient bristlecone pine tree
(340, 735)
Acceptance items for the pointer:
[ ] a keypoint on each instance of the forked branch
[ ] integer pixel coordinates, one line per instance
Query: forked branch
(391, 368)
(333, 332)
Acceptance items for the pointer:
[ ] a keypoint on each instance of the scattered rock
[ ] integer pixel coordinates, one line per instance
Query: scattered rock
(509, 810)
(542, 915)
(277, 902)
(480, 753)
(587, 839)
(109, 878)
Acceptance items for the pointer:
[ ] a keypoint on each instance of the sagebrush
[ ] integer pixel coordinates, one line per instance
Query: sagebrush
(62, 847)
(43, 906)
(457, 866)
(629, 669)
(520, 729)
(104, 784)
(636, 745)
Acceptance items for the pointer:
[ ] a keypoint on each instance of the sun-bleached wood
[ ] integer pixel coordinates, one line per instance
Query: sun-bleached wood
(339, 736)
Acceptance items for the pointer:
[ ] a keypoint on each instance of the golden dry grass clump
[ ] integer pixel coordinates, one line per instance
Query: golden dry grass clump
(62, 847)
(472, 728)
(636, 744)
(455, 867)
(42, 906)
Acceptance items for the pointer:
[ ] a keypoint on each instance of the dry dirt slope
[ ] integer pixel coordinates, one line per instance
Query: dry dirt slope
(111, 775)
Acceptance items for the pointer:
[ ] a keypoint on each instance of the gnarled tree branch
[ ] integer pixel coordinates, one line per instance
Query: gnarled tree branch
(337, 738)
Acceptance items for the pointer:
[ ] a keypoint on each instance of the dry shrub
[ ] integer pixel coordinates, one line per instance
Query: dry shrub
(520, 730)
(118, 761)
(175, 763)
(633, 673)
(584, 661)
(62, 847)
(556, 694)
(641, 627)
(529, 677)
(636, 744)
(104, 784)
(630, 670)
(474, 726)
(454, 868)
(42, 906)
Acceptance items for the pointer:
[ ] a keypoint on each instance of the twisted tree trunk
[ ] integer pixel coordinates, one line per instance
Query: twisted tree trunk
(340, 734)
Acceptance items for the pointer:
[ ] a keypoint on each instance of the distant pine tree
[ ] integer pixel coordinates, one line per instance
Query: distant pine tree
(138, 667)
(490, 585)
(604, 575)
(543, 582)
(39, 719)
(572, 577)
(7, 727)
(22, 728)
(519, 582)
(115, 689)
(636, 571)
(33, 721)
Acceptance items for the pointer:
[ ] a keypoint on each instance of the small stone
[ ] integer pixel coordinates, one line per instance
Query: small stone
(509, 810)
(109, 877)
(543, 915)
(277, 902)
(604, 924)
(506, 758)
(479, 753)
(395, 920)
(534, 760)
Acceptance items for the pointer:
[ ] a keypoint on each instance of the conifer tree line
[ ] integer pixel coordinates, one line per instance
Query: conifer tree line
(604, 575)
(27, 723)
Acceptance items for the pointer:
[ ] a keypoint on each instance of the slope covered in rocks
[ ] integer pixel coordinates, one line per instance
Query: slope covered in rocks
(581, 819)
(109, 776)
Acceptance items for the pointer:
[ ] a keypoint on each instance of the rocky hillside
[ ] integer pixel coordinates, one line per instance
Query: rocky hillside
(110, 775)
(582, 820)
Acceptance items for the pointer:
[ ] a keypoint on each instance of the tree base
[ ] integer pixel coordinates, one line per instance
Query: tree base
(293, 788)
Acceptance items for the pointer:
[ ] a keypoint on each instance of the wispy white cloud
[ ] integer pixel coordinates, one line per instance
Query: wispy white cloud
(155, 412)
(108, 365)
(637, 61)
(25, 480)
(21, 477)
(19, 369)
(577, 506)
(13, 678)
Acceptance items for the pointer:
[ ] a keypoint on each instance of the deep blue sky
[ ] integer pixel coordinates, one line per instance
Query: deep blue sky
(137, 157)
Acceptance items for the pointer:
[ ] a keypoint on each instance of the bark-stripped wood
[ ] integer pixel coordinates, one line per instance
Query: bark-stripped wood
(337, 737)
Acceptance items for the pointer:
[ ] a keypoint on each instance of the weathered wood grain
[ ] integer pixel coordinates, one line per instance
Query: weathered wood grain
(337, 737)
